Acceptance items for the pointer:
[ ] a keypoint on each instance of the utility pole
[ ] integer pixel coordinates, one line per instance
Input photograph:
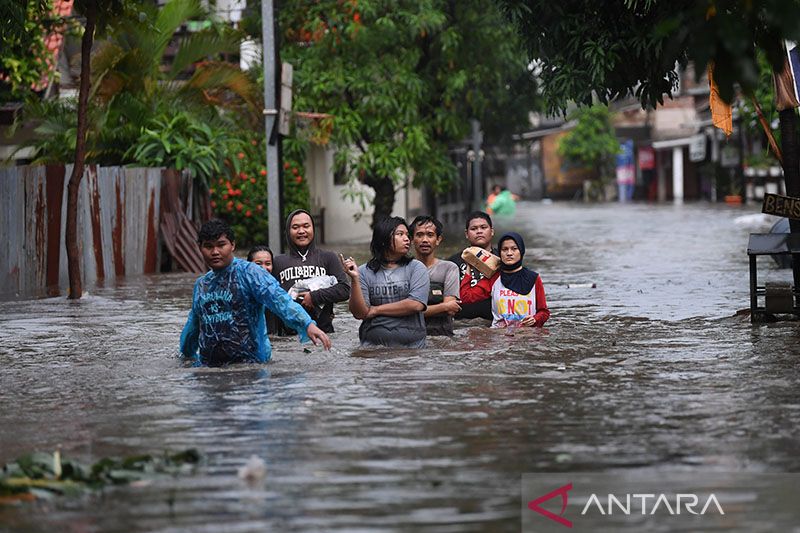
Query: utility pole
(476, 161)
(270, 118)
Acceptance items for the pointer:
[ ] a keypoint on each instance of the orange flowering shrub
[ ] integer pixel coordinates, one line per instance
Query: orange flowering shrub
(240, 197)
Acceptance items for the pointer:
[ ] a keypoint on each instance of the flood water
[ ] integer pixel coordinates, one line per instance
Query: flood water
(649, 371)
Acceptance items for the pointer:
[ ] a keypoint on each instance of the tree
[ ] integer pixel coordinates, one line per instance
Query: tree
(592, 142)
(589, 48)
(92, 11)
(401, 81)
(592, 48)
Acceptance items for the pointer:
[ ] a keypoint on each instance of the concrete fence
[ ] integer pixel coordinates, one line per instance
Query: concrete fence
(118, 226)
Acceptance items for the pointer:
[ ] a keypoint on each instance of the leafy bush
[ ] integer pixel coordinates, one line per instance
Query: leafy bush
(184, 142)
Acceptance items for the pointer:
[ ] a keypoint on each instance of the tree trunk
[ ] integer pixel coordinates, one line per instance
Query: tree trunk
(384, 197)
(71, 233)
(791, 175)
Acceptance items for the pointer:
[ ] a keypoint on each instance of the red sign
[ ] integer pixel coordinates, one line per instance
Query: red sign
(647, 158)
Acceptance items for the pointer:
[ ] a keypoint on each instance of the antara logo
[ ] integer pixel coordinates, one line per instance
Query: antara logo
(626, 504)
(534, 505)
(689, 501)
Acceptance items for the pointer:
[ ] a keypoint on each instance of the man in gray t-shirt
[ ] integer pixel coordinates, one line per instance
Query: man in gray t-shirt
(426, 236)
(388, 286)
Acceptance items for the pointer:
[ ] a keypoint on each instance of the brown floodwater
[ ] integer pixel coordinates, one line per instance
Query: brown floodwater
(650, 371)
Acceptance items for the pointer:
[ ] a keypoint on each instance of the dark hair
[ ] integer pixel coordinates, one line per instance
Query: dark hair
(213, 230)
(259, 248)
(421, 220)
(478, 214)
(382, 237)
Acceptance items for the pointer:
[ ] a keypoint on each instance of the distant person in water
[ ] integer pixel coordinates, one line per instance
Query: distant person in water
(518, 298)
(492, 196)
(390, 292)
(226, 322)
(504, 204)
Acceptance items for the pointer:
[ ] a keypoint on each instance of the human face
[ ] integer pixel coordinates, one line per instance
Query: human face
(301, 230)
(479, 233)
(217, 253)
(509, 252)
(264, 260)
(400, 241)
(425, 239)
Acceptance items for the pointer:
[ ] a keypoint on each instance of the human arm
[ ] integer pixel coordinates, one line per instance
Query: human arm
(357, 305)
(481, 291)
(419, 285)
(402, 308)
(268, 292)
(451, 292)
(450, 306)
(542, 312)
(190, 335)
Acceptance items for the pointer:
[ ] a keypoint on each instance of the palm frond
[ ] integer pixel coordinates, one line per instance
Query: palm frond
(170, 18)
(204, 45)
(215, 77)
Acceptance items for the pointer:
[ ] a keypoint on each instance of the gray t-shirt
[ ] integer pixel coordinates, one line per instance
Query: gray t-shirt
(446, 273)
(394, 285)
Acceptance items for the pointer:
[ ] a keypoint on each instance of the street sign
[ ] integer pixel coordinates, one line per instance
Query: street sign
(782, 206)
(647, 158)
(697, 148)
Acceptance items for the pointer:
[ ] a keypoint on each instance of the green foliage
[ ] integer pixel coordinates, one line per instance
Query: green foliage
(134, 101)
(23, 54)
(765, 97)
(44, 474)
(588, 48)
(402, 79)
(591, 143)
(184, 142)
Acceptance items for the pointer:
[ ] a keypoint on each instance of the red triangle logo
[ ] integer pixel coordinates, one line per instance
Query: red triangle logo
(534, 505)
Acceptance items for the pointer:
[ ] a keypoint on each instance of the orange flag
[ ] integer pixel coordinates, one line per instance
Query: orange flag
(721, 114)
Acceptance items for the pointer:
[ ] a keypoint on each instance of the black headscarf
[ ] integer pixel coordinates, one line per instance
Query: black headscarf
(523, 280)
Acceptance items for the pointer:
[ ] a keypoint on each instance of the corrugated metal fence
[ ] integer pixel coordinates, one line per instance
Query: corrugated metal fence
(118, 223)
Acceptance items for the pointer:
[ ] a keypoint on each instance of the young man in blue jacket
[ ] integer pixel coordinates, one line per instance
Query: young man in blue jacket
(226, 323)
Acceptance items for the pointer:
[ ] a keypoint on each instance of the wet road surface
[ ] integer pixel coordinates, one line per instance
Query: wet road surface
(648, 372)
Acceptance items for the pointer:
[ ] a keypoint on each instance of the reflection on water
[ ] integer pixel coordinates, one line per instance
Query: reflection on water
(649, 371)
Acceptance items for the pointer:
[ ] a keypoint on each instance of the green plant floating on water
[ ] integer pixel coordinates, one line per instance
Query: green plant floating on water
(44, 475)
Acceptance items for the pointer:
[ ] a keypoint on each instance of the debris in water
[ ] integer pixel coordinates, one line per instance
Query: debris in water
(254, 470)
(45, 475)
(581, 285)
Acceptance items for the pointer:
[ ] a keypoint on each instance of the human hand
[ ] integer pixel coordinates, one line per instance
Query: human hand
(350, 267)
(318, 336)
(452, 307)
(528, 321)
(307, 301)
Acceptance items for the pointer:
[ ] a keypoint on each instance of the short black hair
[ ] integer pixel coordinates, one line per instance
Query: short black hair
(213, 230)
(259, 248)
(421, 220)
(478, 214)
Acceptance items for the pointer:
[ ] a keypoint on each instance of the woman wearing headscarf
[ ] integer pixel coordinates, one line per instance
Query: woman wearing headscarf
(518, 298)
